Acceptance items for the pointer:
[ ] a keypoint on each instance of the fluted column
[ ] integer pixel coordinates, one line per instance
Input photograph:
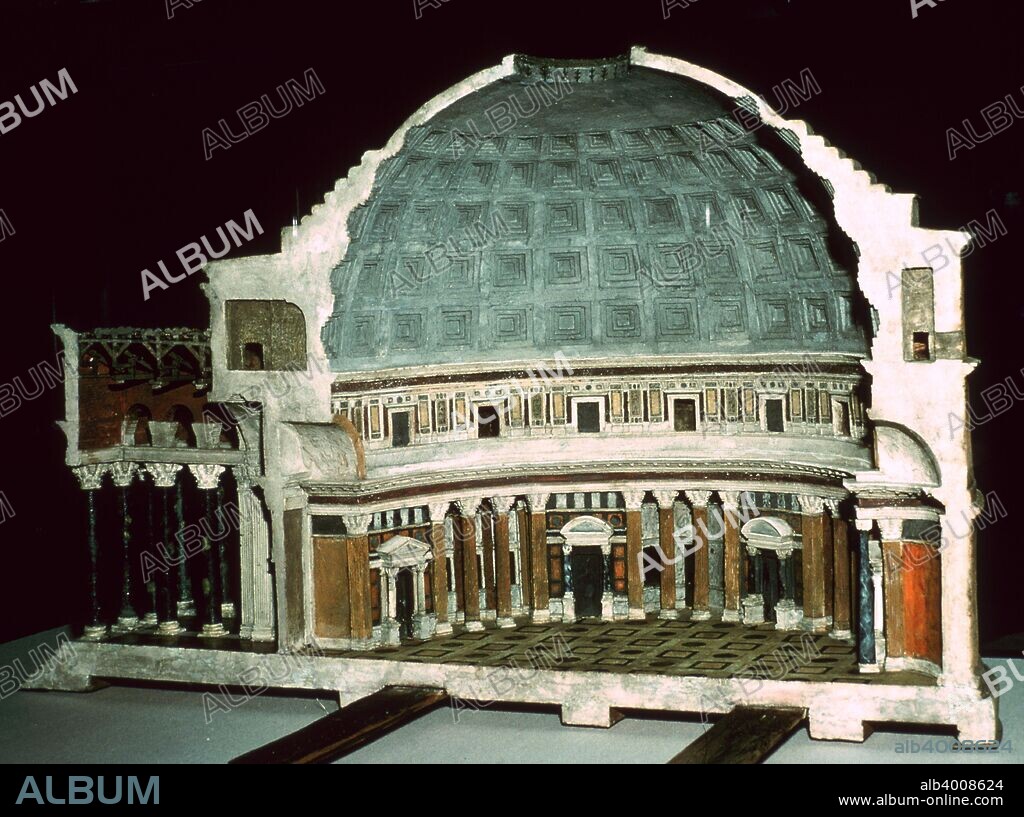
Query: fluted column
(122, 474)
(490, 593)
(165, 479)
(208, 480)
(891, 575)
(866, 601)
(90, 477)
(634, 546)
(357, 552)
(813, 538)
(666, 540)
(701, 556)
(539, 556)
(256, 615)
(439, 572)
(732, 557)
(502, 566)
(470, 574)
(841, 607)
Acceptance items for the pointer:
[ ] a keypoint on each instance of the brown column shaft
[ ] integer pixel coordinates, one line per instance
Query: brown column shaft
(892, 576)
(813, 565)
(841, 614)
(701, 561)
(732, 559)
(470, 575)
(666, 529)
(359, 586)
(502, 568)
(439, 571)
(634, 574)
(490, 592)
(539, 557)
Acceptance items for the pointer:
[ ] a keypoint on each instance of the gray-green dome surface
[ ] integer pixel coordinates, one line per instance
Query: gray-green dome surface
(632, 216)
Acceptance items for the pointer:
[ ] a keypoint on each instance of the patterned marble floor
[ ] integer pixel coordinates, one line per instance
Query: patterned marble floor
(699, 648)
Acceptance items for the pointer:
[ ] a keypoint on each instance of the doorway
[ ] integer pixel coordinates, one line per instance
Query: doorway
(587, 580)
(405, 602)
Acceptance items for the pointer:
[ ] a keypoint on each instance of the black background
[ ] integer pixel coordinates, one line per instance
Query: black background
(114, 179)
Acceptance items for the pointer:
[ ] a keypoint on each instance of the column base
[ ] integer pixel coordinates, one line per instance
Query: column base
(670, 614)
(390, 633)
(213, 631)
(253, 633)
(753, 609)
(443, 628)
(424, 626)
(126, 623)
(841, 635)
(150, 620)
(94, 632)
(731, 615)
(788, 616)
(363, 644)
(541, 616)
(475, 626)
(488, 615)
(870, 668)
(818, 625)
(701, 615)
(636, 615)
(505, 623)
(169, 628)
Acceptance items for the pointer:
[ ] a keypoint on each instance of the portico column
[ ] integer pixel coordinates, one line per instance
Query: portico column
(812, 534)
(439, 573)
(701, 557)
(122, 474)
(208, 480)
(525, 569)
(489, 596)
(866, 600)
(390, 628)
(502, 565)
(470, 575)
(731, 557)
(634, 546)
(539, 556)
(841, 617)
(90, 477)
(666, 540)
(165, 478)
(357, 548)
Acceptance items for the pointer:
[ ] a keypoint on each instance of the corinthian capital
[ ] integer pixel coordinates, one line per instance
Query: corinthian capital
(811, 505)
(207, 476)
(123, 473)
(90, 477)
(165, 474)
(699, 499)
(356, 524)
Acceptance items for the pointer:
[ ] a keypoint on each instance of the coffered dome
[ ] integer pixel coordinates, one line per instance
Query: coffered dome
(597, 210)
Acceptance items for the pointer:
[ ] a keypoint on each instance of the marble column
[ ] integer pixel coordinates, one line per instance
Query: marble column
(150, 499)
(841, 607)
(165, 480)
(357, 552)
(731, 556)
(667, 542)
(866, 600)
(701, 555)
(390, 629)
(185, 603)
(439, 573)
(122, 474)
(502, 564)
(753, 601)
(468, 522)
(539, 557)
(208, 480)
(90, 477)
(814, 578)
(634, 547)
(787, 615)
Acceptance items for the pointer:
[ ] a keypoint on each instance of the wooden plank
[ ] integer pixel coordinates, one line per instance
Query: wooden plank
(746, 735)
(346, 730)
